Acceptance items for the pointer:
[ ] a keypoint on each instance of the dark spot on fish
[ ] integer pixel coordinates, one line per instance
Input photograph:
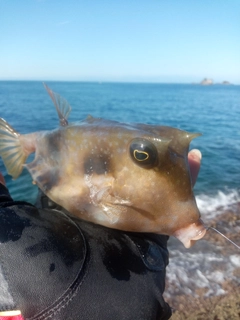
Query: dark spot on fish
(53, 142)
(98, 164)
(48, 179)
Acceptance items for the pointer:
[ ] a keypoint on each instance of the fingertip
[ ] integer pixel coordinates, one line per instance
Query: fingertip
(2, 180)
(195, 154)
(194, 160)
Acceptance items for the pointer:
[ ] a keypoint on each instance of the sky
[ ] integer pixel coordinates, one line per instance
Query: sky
(174, 41)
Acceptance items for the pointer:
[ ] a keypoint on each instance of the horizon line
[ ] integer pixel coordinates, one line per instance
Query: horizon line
(125, 81)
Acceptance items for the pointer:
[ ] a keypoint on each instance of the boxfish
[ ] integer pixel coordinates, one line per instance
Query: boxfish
(131, 177)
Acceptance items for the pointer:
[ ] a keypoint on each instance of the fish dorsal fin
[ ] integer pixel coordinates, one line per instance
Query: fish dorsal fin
(62, 106)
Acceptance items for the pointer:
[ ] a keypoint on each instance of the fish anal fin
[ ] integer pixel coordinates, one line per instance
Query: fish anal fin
(62, 106)
(12, 149)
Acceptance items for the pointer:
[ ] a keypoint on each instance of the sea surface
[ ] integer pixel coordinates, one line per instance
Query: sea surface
(213, 111)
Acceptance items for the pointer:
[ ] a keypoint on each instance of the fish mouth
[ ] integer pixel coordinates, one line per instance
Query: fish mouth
(190, 234)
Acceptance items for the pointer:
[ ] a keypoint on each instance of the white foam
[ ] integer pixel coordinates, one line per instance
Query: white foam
(207, 265)
(217, 276)
(235, 259)
(211, 206)
(194, 271)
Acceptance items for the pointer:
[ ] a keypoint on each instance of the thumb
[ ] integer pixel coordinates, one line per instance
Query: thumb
(2, 181)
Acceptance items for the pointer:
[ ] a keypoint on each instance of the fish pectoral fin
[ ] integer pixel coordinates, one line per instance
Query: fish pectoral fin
(114, 206)
(98, 197)
(12, 149)
(114, 210)
(62, 106)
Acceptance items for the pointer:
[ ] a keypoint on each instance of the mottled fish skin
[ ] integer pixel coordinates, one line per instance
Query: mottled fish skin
(132, 177)
(87, 168)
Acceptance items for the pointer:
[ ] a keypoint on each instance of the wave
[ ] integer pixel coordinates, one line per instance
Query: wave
(212, 264)
(206, 265)
(211, 206)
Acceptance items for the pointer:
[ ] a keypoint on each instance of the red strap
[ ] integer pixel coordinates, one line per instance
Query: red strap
(18, 317)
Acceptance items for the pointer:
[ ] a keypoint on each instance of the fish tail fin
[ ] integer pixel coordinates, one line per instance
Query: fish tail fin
(12, 149)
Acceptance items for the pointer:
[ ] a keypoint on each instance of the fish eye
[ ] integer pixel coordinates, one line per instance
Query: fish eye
(143, 153)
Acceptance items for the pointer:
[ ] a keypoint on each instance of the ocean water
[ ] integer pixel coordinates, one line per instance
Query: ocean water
(213, 111)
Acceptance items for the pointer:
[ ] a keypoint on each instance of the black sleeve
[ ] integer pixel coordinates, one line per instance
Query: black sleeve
(53, 266)
(4, 194)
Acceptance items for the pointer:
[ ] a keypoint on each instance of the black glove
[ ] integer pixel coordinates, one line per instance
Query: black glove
(54, 266)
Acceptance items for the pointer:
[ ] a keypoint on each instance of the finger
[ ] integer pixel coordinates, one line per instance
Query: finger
(194, 159)
(2, 181)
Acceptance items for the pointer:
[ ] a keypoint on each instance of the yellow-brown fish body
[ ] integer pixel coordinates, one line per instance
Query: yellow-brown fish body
(132, 177)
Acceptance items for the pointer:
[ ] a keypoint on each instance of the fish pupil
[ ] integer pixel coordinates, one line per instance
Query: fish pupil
(140, 155)
(143, 153)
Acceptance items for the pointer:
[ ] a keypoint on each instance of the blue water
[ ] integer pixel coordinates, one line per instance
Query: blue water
(212, 110)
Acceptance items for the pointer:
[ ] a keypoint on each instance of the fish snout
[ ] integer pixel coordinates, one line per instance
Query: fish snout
(190, 234)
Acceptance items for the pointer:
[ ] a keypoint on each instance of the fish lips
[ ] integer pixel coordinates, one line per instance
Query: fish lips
(190, 234)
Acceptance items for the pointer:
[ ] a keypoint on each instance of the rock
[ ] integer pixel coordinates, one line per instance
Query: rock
(226, 83)
(206, 82)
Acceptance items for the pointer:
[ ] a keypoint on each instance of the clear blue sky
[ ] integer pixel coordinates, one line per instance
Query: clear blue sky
(120, 40)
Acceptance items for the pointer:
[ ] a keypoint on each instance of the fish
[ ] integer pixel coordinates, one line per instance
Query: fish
(131, 177)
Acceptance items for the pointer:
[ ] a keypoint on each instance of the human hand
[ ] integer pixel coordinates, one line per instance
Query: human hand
(2, 180)
(194, 160)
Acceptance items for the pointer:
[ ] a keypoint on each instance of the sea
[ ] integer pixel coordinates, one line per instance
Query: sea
(213, 111)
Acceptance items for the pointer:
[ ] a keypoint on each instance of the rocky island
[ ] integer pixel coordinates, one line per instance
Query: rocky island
(209, 82)
(206, 82)
(226, 83)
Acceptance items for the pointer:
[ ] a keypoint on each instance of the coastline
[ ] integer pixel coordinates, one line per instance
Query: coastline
(213, 308)
(210, 290)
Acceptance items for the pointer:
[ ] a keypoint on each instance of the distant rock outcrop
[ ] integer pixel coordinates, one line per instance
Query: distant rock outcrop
(209, 82)
(225, 83)
(206, 82)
